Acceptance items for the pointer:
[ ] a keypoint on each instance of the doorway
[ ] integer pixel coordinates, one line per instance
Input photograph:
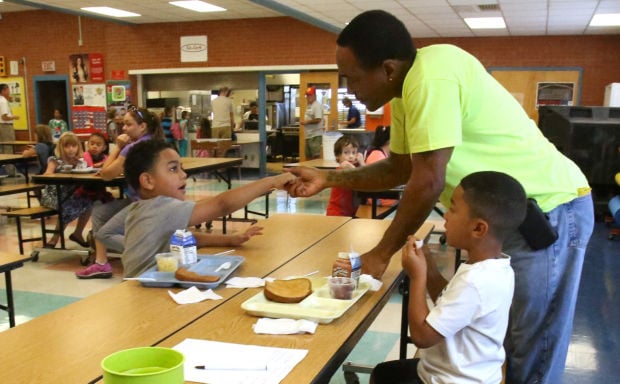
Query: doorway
(50, 93)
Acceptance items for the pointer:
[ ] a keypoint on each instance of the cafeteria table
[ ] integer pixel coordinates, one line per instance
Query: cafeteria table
(191, 165)
(17, 159)
(67, 345)
(331, 344)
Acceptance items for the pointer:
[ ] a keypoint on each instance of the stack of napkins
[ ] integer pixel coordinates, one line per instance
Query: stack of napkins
(375, 284)
(245, 282)
(194, 295)
(284, 326)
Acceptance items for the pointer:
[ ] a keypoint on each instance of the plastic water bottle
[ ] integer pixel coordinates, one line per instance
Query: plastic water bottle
(183, 246)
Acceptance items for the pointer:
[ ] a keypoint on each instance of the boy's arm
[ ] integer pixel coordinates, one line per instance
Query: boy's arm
(414, 263)
(237, 198)
(220, 240)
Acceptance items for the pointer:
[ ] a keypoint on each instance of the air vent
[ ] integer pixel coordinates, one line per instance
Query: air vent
(488, 7)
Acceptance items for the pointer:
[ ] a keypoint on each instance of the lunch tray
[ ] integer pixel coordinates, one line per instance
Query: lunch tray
(319, 306)
(206, 265)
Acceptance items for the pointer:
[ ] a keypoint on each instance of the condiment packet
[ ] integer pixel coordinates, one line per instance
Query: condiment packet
(375, 284)
(284, 326)
(245, 282)
(194, 295)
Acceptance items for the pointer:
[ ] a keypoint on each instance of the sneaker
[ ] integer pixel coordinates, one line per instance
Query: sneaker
(95, 271)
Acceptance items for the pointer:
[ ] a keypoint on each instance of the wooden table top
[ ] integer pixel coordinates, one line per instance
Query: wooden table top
(9, 261)
(8, 158)
(316, 163)
(332, 342)
(191, 165)
(67, 345)
(18, 142)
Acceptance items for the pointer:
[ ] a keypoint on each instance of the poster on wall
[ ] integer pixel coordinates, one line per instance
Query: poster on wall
(118, 94)
(79, 71)
(88, 119)
(554, 94)
(17, 101)
(89, 94)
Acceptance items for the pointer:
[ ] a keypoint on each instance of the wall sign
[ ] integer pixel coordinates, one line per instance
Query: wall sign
(193, 48)
(48, 66)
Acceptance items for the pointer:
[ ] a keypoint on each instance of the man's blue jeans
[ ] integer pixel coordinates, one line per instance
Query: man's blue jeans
(546, 285)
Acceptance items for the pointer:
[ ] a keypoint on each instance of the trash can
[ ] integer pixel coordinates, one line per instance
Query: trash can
(329, 139)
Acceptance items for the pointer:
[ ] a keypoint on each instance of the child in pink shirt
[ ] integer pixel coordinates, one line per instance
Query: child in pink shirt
(341, 200)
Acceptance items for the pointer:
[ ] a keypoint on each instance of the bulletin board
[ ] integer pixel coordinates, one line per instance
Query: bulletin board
(524, 83)
(18, 102)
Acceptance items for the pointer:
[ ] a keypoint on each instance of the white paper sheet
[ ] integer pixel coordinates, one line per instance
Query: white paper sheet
(279, 362)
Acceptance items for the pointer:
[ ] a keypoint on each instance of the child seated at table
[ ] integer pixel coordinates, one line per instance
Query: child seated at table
(341, 200)
(461, 337)
(155, 172)
(97, 150)
(67, 156)
(43, 149)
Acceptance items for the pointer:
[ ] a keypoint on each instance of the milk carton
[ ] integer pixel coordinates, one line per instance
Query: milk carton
(183, 246)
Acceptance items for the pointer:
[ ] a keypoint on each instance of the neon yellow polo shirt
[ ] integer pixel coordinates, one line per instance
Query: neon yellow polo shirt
(450, 100)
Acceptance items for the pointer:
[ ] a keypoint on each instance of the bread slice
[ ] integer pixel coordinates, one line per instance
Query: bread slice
(288, 291)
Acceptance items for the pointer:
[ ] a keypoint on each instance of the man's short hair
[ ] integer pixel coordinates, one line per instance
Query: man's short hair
(376, 36)
(141, 158)
(497, 198)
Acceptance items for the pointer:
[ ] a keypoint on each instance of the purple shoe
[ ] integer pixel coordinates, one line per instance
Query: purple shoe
(95, 271)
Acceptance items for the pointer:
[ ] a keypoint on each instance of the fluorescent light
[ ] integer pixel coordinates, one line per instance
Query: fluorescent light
(108, 11)
(606, 20)
(485, 22)
(198, 6)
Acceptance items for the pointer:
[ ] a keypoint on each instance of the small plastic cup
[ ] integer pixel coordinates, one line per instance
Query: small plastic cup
(341, 288)
(167, 262)
(144, 365)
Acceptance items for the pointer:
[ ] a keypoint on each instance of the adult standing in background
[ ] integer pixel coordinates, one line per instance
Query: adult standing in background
(450, 118)
(7, 131)
(313, 125)
(166, 124)
(223, 117)
(354, 120)
(57, 125)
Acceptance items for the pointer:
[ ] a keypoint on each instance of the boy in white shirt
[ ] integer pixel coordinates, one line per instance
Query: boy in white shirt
(461, 337)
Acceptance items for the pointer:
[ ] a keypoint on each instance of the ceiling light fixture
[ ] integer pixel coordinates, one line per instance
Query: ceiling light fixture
(198, 6)
(108, 11)
(485, 22)
(606, 20)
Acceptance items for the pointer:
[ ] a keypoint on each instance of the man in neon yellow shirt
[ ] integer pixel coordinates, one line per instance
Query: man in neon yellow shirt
(450, 118)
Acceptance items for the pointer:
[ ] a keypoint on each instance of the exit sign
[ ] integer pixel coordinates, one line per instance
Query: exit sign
(48, 66)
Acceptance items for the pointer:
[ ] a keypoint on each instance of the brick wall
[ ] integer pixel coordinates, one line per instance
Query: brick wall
(46, 35)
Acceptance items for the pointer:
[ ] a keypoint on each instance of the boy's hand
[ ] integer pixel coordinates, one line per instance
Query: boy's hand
(359, 160)
(310, 181)
(283, 179)
(414, 262)
(241, 238)
(347, 165)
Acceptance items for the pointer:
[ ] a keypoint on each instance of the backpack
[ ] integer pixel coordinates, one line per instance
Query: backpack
(175, 130)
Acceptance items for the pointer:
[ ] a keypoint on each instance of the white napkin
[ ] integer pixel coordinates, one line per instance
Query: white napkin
(375, 284)
(284, 326)
(194, 295)
(245, 282)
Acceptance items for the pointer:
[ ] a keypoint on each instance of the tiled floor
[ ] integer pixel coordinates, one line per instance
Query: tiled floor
(49, 284)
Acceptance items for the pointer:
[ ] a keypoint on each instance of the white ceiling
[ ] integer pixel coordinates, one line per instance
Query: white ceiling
(423, 18)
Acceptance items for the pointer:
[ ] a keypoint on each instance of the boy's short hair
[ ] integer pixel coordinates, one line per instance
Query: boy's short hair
(342, 142)
(142, 158)
(497, 198)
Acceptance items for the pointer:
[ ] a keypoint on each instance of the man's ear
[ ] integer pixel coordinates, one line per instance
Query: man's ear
(389, 68)
(147, 181)
(480, 228)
